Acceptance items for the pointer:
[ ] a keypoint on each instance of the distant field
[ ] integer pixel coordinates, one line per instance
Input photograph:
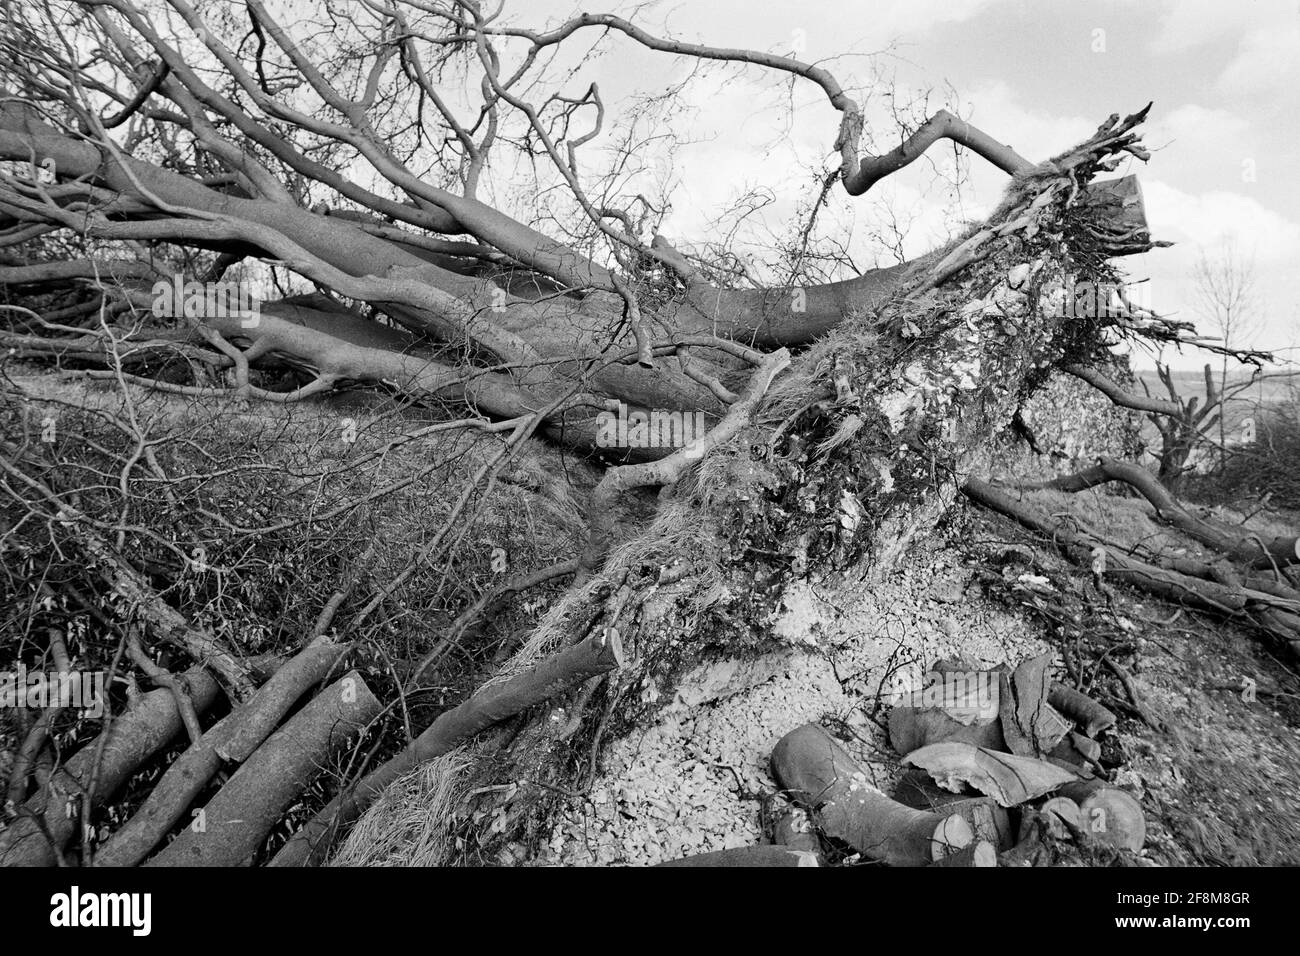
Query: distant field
(1247, 404)
(1193, 383)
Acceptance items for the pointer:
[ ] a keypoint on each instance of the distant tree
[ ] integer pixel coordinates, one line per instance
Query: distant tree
(1225, 293)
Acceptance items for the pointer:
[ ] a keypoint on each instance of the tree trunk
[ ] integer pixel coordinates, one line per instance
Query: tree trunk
(855, 451)
(48, 821)
(234, 823)
(233, 739)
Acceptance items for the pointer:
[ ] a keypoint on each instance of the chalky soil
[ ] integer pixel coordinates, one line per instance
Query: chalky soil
(695, 781)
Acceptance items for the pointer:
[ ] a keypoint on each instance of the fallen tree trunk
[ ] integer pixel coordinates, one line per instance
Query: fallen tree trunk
(598, 654)
(1249, 549)
(164, 621)
(1224, 573)
(987, 819)
(233, 824)
(747, 856)
(980, 853)
(856, 450)
(234, 739)
(1270, 614)
(132, 739)
(1082, 709)
(1109, 815)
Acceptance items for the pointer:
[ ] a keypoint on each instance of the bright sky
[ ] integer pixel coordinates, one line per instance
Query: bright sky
(1038, 74)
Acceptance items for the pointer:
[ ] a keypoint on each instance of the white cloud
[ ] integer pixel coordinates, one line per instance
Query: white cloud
(1267, 64)
(1264, 33)
(1196, 130)
(1188, 24)
(1192, 23)
(904, 17)
(1034, 133)
(826, 29)
(1205, 223)
(1212, 218)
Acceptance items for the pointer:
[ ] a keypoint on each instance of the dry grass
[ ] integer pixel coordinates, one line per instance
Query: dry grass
(411, 824)
(264, 591)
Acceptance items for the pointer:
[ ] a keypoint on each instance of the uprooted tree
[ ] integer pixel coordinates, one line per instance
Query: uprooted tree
(146, 141)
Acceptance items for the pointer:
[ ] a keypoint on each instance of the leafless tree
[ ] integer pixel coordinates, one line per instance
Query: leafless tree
(1225, 291)
(366, 160)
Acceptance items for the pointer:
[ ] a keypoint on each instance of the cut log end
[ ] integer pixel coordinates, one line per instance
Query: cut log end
(1062, 817)
(980, 853)
(951, 835)
(611, 645)
(1113, 817)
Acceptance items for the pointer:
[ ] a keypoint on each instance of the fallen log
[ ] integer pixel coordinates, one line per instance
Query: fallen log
(917, 789)
(233, 824)
(987, 818)
(597, 654)
(1077, 752)
(1269, 583)
(1082, 709)
(957, 702)
(747, 856)
(234, 739)
(1276, 552)
(1249, 549)
(133, 738)
(953, 379)
(791, 830)
(1007, 778)
(1114, 817)
(988, 821)
(1061, 817)
(1031, 726)
(819, 774)
(1080, 790)
(164, 621)
(980, 853)
(1270, 614)
(911, 728)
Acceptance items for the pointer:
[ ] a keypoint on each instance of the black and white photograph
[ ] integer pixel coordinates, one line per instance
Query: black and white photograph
(461, 436)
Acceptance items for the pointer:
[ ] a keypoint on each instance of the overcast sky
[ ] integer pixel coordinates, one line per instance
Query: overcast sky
(1037, 74)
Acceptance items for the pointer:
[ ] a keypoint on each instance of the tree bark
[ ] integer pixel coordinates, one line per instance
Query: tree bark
(234, 738)
(1272, 614)
(597, 655)
(233, 824)
(1252, 550)
(133, 738)
(816, 772)
(829, 485)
